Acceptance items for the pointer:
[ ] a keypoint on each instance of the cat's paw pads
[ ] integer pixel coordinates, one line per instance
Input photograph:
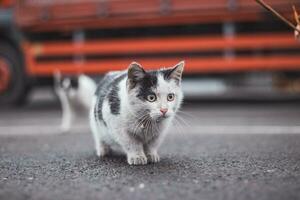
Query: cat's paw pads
(137, 160)
(154, 158)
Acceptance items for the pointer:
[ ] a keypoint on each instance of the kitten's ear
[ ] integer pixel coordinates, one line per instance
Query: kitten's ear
(135, 74)
(175, 72)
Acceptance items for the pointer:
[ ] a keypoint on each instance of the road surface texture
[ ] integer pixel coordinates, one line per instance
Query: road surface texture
(223, 151)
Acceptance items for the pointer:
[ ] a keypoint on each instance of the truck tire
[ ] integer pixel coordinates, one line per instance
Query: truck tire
(13, 82)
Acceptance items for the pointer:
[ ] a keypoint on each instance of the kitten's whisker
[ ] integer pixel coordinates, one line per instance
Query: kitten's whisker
(179, 125)
(150, 126)
(186, 114)
(183, 121)
(139, 121)
(147, 126)
(183, 117)
(155, 127)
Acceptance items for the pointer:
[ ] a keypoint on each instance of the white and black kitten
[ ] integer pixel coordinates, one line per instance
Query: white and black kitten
(132, 110)
(75, 94)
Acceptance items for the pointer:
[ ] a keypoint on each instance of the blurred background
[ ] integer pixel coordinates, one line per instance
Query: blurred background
(238, 131)
(234, 49)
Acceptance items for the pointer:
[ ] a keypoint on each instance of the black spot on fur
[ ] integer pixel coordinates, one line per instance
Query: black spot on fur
(146, 85)
(104, 90)
(114, 100)
(101, 93)
(166, 73)
(98, 111)
(68, 83)
(74, 82)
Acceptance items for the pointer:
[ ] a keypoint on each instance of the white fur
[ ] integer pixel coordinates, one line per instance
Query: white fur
(115, 134)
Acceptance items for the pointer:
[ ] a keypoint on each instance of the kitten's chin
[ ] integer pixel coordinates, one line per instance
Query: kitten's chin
(161, 118)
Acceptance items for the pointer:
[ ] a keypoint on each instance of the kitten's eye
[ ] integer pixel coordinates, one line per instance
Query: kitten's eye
(151, 97)
(171, 97)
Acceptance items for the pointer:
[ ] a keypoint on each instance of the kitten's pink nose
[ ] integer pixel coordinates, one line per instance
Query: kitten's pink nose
(164, 110)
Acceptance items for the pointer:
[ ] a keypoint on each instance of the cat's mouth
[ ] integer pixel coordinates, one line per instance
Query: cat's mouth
(161, 118)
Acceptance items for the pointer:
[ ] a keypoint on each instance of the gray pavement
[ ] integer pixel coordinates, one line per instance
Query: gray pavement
(196, 163)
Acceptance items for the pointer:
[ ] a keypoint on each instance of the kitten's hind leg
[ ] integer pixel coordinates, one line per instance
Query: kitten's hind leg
(94, 128)
(102, 149)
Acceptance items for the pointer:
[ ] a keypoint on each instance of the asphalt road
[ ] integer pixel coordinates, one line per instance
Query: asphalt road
(237, 154)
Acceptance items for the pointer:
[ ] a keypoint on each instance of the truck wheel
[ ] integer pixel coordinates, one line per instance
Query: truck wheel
(13, 85)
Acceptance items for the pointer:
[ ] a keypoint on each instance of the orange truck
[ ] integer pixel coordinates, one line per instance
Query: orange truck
(39, 37)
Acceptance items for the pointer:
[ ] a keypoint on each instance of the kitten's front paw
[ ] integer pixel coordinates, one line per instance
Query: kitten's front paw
(154, 157)
(136, 159)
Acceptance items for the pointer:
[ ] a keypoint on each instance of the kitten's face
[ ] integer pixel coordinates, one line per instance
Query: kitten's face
(155, 93)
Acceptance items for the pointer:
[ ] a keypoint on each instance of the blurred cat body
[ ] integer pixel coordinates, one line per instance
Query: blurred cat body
(132, 109)
(75, 94)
